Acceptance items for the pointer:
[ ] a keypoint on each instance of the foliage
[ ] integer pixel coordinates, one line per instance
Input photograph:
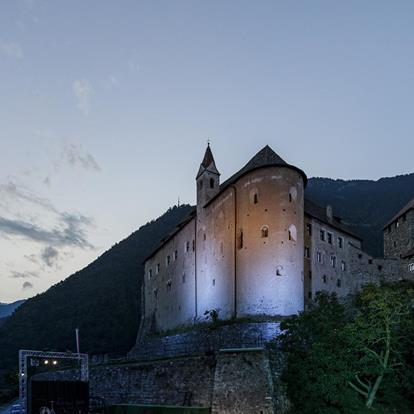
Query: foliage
(352, 359)
(380, 335)
(213, 315)
(103, 300)
(318, 365)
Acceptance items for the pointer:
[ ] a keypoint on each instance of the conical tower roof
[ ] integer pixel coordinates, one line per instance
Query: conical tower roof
(208, 163)
(266, 157)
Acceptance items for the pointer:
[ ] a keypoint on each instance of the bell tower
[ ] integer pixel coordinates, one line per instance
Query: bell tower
(208, 179)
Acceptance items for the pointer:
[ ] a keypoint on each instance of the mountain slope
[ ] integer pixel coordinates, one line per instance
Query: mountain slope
(102, 299)
(364, 204)
(6, 309)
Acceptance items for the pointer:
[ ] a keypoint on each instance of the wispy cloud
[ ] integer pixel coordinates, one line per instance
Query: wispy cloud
(69, 232)
(75, 155)
(11, 49)
(24, 214)
(49, 256)
(27, 286)
(83, 91)
(23, 275)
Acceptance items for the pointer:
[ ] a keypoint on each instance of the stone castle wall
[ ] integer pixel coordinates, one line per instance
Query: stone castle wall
(207, 340)
(230, 382)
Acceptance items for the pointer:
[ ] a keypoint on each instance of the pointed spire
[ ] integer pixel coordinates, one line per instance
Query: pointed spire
(208, 163)
(208, 157)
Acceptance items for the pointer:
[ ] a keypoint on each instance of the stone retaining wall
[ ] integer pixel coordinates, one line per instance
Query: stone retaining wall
(206, 340)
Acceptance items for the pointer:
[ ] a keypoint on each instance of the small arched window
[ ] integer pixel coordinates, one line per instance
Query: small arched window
(211, 182)
(292, 232)
(293, 193)
(279, 270)
(265, 231)
(254, 196)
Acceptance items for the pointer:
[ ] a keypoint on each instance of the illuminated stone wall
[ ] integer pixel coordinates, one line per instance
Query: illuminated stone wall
(215, 257)
(170, 293)
(328, 276)
(270, 262)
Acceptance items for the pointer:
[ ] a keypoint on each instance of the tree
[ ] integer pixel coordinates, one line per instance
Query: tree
(379, 335)
(318, 365)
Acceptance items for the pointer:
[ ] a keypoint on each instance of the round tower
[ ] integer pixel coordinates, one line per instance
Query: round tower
(270, 229)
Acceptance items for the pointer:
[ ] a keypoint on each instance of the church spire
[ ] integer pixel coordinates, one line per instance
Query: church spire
(208, 163)
(208, 178)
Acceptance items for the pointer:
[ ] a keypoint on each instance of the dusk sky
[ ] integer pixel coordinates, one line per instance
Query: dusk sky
(106, 108)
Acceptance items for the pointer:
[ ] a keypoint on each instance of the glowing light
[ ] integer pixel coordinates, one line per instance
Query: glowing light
(55, 362)
(46, 361)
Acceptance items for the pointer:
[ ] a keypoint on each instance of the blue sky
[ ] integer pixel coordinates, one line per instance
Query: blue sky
(106, 107)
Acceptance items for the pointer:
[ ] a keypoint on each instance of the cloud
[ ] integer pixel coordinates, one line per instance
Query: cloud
(23, 275)
(49, 256)
(83, 92)
(27, 286)
(11, 49)
(24, 214)
(69, 232)
(75, 155)
(23, 194)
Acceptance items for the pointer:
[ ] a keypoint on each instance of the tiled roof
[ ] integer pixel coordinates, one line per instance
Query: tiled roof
(409, 206)
(318, 212)
(266, 157)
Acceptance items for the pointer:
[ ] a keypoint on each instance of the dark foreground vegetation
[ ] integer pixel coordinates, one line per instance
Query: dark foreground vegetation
(356, 357)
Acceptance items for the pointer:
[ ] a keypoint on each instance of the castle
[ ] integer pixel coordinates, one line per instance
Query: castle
(254, 246)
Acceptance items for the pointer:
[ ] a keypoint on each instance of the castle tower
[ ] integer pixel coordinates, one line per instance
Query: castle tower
(208, 179)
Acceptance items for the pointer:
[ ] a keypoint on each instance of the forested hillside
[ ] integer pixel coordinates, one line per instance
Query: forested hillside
(102, 300)
(365, 205)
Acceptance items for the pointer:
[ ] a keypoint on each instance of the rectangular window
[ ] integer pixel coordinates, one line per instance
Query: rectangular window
(157, 268)
(322, 235)
(325, 279)
(319, 257)
(333, 261)
(193, 245)
(310, 274)
(187, 247)
(214, 282)
(369, 261)
(183, 277)
(338, 283)
(343, 266)
(176, 255)
(307, 252)
(168, 260)
(330, 238)
(310, 295)
(309, 229)
(150, 273)
(240, 240)
(340, 242)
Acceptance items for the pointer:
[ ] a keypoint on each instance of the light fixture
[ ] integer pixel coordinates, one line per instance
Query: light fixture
(46, 361)
(54, 362)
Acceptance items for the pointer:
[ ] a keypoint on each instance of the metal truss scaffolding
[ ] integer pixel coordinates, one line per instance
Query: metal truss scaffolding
(25, 354)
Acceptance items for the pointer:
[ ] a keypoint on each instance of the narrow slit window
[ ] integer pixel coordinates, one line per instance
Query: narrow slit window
(265, 231)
